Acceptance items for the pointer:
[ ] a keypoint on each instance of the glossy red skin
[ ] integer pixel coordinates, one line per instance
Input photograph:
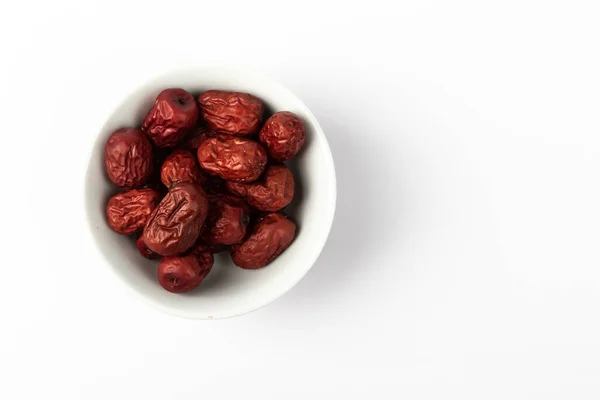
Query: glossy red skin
(232, 158)
(231, 112)
(127, 212)
(272, 192)
(197, 135)
(177, 222)
(181, 166)
(227, 220)
(144, 250)
(182, 274)
(128, 158)
(269, 237)
(174, 113)
(283, 135)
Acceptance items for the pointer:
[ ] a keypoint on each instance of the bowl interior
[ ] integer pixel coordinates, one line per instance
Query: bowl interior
(227, 290)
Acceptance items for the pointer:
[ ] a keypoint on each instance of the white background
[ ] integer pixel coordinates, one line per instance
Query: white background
(463, 262)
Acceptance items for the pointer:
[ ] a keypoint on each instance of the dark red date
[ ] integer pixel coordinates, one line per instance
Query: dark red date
(269, 237)
(174, 113)
(182, 274)
(272, 192)
(128, 158)
(283, 135)
(176, 223)
(232, 158)
(181, 166)
(144, 250)
(227, 220)
(127, 212)
(231, 112)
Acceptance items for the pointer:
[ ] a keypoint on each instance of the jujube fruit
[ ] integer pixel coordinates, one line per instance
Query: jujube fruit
(232, 158)
(283, 135)
(185, 273)
(269, 237)
(234, 113)
(181, 166)
(177, 221)
(128, 158)
(127, 212)
(173, 114)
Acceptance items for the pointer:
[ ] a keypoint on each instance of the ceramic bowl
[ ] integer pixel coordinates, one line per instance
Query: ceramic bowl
(228, 290)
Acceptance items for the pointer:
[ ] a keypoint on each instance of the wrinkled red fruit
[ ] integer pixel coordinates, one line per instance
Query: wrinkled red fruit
(232, 158)
(128, 158)
(270, 236)
(272, 192)
(181, 166)
(127, 212)
(176, 223)
(144, 250)
(227, 220)
(174, 113)
(231, 112)
(283, 135)
(182, 274)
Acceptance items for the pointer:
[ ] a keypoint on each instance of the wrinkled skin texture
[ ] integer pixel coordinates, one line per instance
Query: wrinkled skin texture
(227, 220)
(232, 158)
(270, 236)
(174, 113)
(127, 212)
(181, 166)
(144, 250)
(128, 158)
(182, 274)
(283, 135)
(197, 135)
(177, 222)
(272, 192)
(231, 112)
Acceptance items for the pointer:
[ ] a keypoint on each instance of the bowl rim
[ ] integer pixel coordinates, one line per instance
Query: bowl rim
(324, 148)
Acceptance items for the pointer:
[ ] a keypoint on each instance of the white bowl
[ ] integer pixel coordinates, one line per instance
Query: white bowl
(227, 290)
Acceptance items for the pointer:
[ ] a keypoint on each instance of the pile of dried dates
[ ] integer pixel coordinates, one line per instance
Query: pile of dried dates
(202, 176)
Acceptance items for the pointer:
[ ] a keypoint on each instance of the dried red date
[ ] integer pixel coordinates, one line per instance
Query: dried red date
(174, 113)
(283, 135)
(181, 166)
(269, 237)
(272, 192)
(231, 112)
(232, 158)
(182, 274)
(128, 158)
(176, 223)
(144, 250)
(227, 220)
(127, 212)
